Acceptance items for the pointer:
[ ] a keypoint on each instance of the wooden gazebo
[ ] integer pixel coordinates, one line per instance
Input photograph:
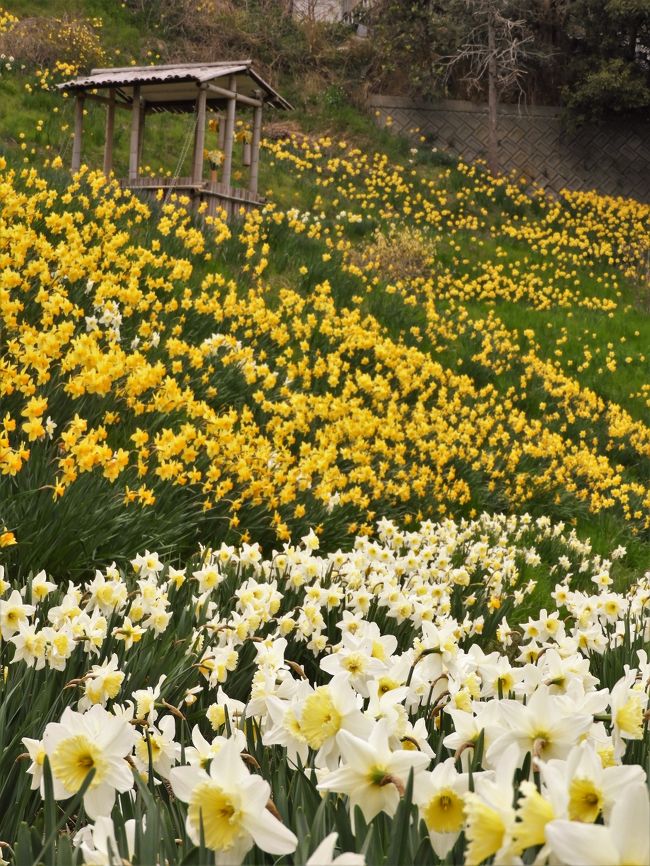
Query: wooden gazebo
(189, 88)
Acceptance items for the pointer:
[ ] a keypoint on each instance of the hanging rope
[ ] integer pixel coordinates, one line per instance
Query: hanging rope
(181, 158)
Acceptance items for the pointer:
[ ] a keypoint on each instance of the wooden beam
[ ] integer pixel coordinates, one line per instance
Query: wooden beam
(108, 135)
(255, 149)
(221, 132)
(94, 97)
(230, 132)
(134, 164)
(78, 131)
(231, 94)
(199, 137)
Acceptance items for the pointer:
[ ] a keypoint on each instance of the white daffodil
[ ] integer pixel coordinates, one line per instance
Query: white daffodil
(324, 855)
(370, 773)
(13, 612)
(98, 843)
(145, 701)
(216, 712)
(36, 752)
(147, 564)
(165, 751)
(588, 788)
(355, 661)
(326, 711)
(227, 805)
(468, 727)
(490, 815)
(103, 682)
(624, 841)
(439, 796)
(535, 810)
(545, 726)
(284, 728)
(628, 702)
(202, 751)
(81, 742)
(41, 587)
(30, 645)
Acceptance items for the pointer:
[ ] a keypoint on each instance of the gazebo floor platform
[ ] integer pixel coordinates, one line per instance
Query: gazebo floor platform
(218, 196)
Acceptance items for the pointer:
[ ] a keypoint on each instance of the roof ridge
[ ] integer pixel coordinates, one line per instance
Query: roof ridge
(154, 66)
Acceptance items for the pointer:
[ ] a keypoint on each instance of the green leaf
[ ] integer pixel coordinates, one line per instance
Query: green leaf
(72, 807)
(23, 853)
(400, 849)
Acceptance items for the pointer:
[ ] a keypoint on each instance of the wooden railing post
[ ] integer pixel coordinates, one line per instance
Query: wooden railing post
(134, 149)
(199, 137)
(78, 131)
(110, 127)
(230, 132)
(255, 149)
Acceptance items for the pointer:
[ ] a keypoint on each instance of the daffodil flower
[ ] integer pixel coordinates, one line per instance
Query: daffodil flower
(227, 806)
(370, 773)
(624, 841)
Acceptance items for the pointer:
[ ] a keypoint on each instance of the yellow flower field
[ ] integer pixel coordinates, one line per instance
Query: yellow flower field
(135, 363)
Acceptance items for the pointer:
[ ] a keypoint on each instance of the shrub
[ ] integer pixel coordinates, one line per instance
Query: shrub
(55, 42)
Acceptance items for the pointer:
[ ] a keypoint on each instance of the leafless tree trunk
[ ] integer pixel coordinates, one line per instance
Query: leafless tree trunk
(493, 52)
(493, 97)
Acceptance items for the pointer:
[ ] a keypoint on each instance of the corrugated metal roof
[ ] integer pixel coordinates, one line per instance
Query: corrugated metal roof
(201, 73)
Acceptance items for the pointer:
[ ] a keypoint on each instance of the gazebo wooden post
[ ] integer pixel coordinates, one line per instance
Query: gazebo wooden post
(230, 131)
(110, 127)
(78, 131)
(255, 148)
(134, 149)
(141, 122)
(199, 137)
(221, 131)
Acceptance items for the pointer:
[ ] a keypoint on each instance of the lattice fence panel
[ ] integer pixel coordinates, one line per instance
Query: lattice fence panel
(613, 157)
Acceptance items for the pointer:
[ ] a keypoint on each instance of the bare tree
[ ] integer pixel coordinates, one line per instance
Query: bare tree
(493, 51)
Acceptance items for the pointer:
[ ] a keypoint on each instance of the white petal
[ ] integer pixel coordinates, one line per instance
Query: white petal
(228, 768)
(270, 834)
(403, 760)
(629, 824)
(323, 855)
(442, 843)
(356, 752)
(582, 844)
(184, 779)
(99, 801)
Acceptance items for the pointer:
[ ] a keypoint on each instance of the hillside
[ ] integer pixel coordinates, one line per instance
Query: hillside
(330, 519)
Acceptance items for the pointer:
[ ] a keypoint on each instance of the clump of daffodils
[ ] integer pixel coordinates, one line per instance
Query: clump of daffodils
(511, 739)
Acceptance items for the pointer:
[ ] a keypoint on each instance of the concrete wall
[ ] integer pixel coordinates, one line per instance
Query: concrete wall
(318, 10)
(613, 158)
(327, 10)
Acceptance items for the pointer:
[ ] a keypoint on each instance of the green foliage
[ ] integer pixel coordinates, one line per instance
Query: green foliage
(615, 87)
(590, 53)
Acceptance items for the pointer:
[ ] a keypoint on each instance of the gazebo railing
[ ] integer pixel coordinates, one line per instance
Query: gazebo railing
(218, 196)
